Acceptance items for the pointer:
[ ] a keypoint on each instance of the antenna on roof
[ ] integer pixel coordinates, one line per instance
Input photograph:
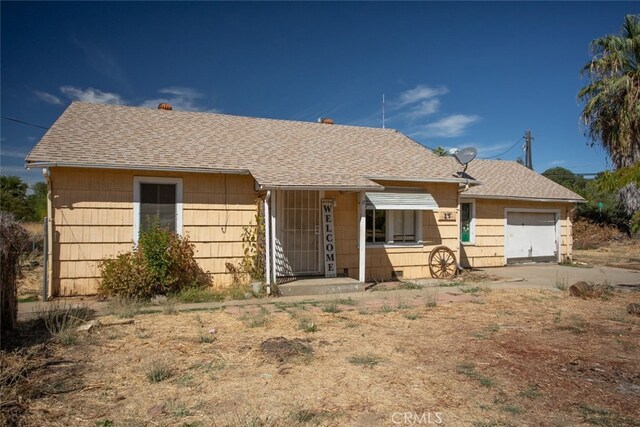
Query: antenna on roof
(465, 156)
(383, 111)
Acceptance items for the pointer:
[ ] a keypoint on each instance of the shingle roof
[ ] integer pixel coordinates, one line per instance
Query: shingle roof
(275, 152)
(504, 179)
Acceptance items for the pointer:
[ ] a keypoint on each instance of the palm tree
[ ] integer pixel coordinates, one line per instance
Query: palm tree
(440, 151)
(611, 100)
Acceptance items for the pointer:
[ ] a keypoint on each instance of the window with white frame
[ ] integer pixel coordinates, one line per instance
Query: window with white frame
(157, 199)
(393, 226)
(467, 222)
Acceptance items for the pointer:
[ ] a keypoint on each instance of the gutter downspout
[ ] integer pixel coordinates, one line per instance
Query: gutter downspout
(49, 262)
(267, 242)
(272, 232)
(362, 231)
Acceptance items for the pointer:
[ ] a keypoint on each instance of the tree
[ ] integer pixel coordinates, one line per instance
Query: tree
(13, 197)
(568, 179)
(601, 205)
(626, 181)
(611, 109)
(37, 201)
(440, 151)
(611, 100)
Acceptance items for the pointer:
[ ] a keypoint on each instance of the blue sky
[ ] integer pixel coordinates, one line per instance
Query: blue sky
(453, 74)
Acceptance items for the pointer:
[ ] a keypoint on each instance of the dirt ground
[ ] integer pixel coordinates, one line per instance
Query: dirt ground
(623, 254)
(503, 357)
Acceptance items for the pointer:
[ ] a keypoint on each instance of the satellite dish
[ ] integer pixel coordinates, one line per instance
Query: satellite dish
(465, 155)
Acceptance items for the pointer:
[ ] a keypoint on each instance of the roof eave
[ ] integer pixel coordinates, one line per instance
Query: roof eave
(442, 180)
(321, 187)
(136, 167)
(530, 199)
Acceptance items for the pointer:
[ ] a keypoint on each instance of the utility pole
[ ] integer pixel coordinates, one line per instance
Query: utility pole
(383, 111)
(528, 162)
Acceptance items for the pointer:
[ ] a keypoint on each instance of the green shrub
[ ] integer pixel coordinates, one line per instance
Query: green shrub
(169, 257)
(162, 264)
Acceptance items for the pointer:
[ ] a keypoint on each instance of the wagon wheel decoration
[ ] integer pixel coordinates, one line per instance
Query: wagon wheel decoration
(442, 263)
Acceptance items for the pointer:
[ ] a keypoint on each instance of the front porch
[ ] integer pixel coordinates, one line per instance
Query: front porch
(348, 236)
(312, 235)
(320, 286)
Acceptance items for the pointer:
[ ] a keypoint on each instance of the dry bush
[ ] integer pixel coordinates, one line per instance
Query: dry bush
(12, 247)
(163, 264)
(62, 320)
(589, 235)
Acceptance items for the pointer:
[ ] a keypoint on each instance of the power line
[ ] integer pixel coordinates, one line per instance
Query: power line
(25, 123)
(505, 152)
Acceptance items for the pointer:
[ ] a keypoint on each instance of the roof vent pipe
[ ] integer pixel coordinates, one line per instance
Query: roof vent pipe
(165, 106)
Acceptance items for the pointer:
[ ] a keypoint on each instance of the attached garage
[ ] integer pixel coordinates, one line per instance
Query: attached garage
(514, 216)
(531, 236)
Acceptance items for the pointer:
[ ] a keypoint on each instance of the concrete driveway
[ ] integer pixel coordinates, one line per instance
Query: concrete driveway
(548, 275)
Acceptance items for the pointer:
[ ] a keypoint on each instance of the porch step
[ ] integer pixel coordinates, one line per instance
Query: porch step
(320, 287)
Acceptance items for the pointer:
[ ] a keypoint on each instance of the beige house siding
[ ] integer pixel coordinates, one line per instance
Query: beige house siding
(411, 260)
(488, 248)
(93, 220)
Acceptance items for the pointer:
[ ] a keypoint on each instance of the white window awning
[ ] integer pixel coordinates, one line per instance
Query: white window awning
(401, 201)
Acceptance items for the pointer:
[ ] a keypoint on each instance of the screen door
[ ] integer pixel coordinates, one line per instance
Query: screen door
(298, 231)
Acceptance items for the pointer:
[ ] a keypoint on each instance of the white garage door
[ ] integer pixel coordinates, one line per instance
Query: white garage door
(531, 237)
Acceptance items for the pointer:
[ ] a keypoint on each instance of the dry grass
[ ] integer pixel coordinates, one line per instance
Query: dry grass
(30, 284)
(523, 357)
(624, 254)
(33, 228)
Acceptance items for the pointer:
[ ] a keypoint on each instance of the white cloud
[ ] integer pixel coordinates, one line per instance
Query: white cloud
(490, 150)
(181, 91)
(12, 153)
(447, 127)
(420, 93)
(100, 58)
(425, 108)
(181, 99)
(416, 103)
(47, 97)
(557, 162)
(95, 96)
